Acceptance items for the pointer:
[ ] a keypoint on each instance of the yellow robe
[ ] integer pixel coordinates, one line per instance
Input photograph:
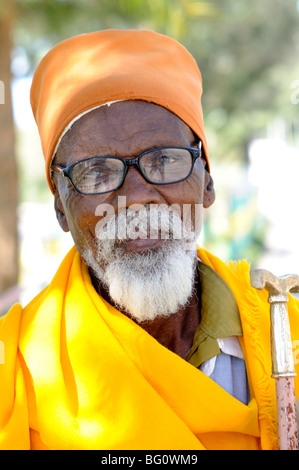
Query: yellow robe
(78, 374)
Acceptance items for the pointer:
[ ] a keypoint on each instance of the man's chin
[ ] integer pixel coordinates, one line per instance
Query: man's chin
(151, 283)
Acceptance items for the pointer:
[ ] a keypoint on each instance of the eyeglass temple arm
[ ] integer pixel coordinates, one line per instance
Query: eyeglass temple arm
(57, 169)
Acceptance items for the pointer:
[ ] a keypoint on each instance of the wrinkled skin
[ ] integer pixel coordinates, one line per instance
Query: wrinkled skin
(126, 129)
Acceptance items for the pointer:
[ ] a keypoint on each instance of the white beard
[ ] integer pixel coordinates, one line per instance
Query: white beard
(150, 284)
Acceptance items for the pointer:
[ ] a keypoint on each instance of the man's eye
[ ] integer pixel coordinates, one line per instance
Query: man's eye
(161, 159)
(99, 171)
(96, 173)
(166, 159)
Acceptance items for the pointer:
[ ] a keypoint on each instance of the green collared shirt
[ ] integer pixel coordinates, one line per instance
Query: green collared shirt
(220, 316)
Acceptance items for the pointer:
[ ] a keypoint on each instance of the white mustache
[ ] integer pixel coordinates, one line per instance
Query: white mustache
(150, 221)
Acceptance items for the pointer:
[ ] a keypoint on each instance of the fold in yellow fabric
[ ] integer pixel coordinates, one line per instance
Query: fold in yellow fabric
(78, 374)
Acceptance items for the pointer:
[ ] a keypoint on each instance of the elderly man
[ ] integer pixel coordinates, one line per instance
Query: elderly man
(142, 340)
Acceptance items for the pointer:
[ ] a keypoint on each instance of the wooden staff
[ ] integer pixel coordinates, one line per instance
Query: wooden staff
(283, 370)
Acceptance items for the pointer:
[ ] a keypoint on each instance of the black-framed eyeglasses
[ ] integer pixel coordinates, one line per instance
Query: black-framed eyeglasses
(99, 175)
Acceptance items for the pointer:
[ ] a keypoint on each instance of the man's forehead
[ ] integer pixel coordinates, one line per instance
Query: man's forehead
(133, 120)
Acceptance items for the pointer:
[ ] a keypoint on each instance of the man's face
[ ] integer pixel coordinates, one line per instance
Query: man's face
(124, 129)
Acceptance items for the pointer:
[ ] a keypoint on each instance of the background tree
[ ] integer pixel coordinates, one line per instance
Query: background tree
(8, 166)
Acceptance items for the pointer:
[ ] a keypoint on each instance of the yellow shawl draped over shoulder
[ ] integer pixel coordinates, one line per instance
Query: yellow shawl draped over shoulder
(78, 374)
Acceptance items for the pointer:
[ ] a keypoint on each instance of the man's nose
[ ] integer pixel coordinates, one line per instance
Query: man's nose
(138, 191)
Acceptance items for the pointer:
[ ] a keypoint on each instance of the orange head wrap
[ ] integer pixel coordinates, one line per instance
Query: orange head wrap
(89, 70)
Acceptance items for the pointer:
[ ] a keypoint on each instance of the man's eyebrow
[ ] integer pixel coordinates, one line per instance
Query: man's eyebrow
(54, 162)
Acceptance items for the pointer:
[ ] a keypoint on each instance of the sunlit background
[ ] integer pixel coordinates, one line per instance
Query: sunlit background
(248, 56)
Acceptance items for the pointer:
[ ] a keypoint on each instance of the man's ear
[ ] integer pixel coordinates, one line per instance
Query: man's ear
(209, 191)
(59, 209)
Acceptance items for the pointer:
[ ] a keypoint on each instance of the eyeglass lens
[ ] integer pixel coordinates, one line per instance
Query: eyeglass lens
(103, 174)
